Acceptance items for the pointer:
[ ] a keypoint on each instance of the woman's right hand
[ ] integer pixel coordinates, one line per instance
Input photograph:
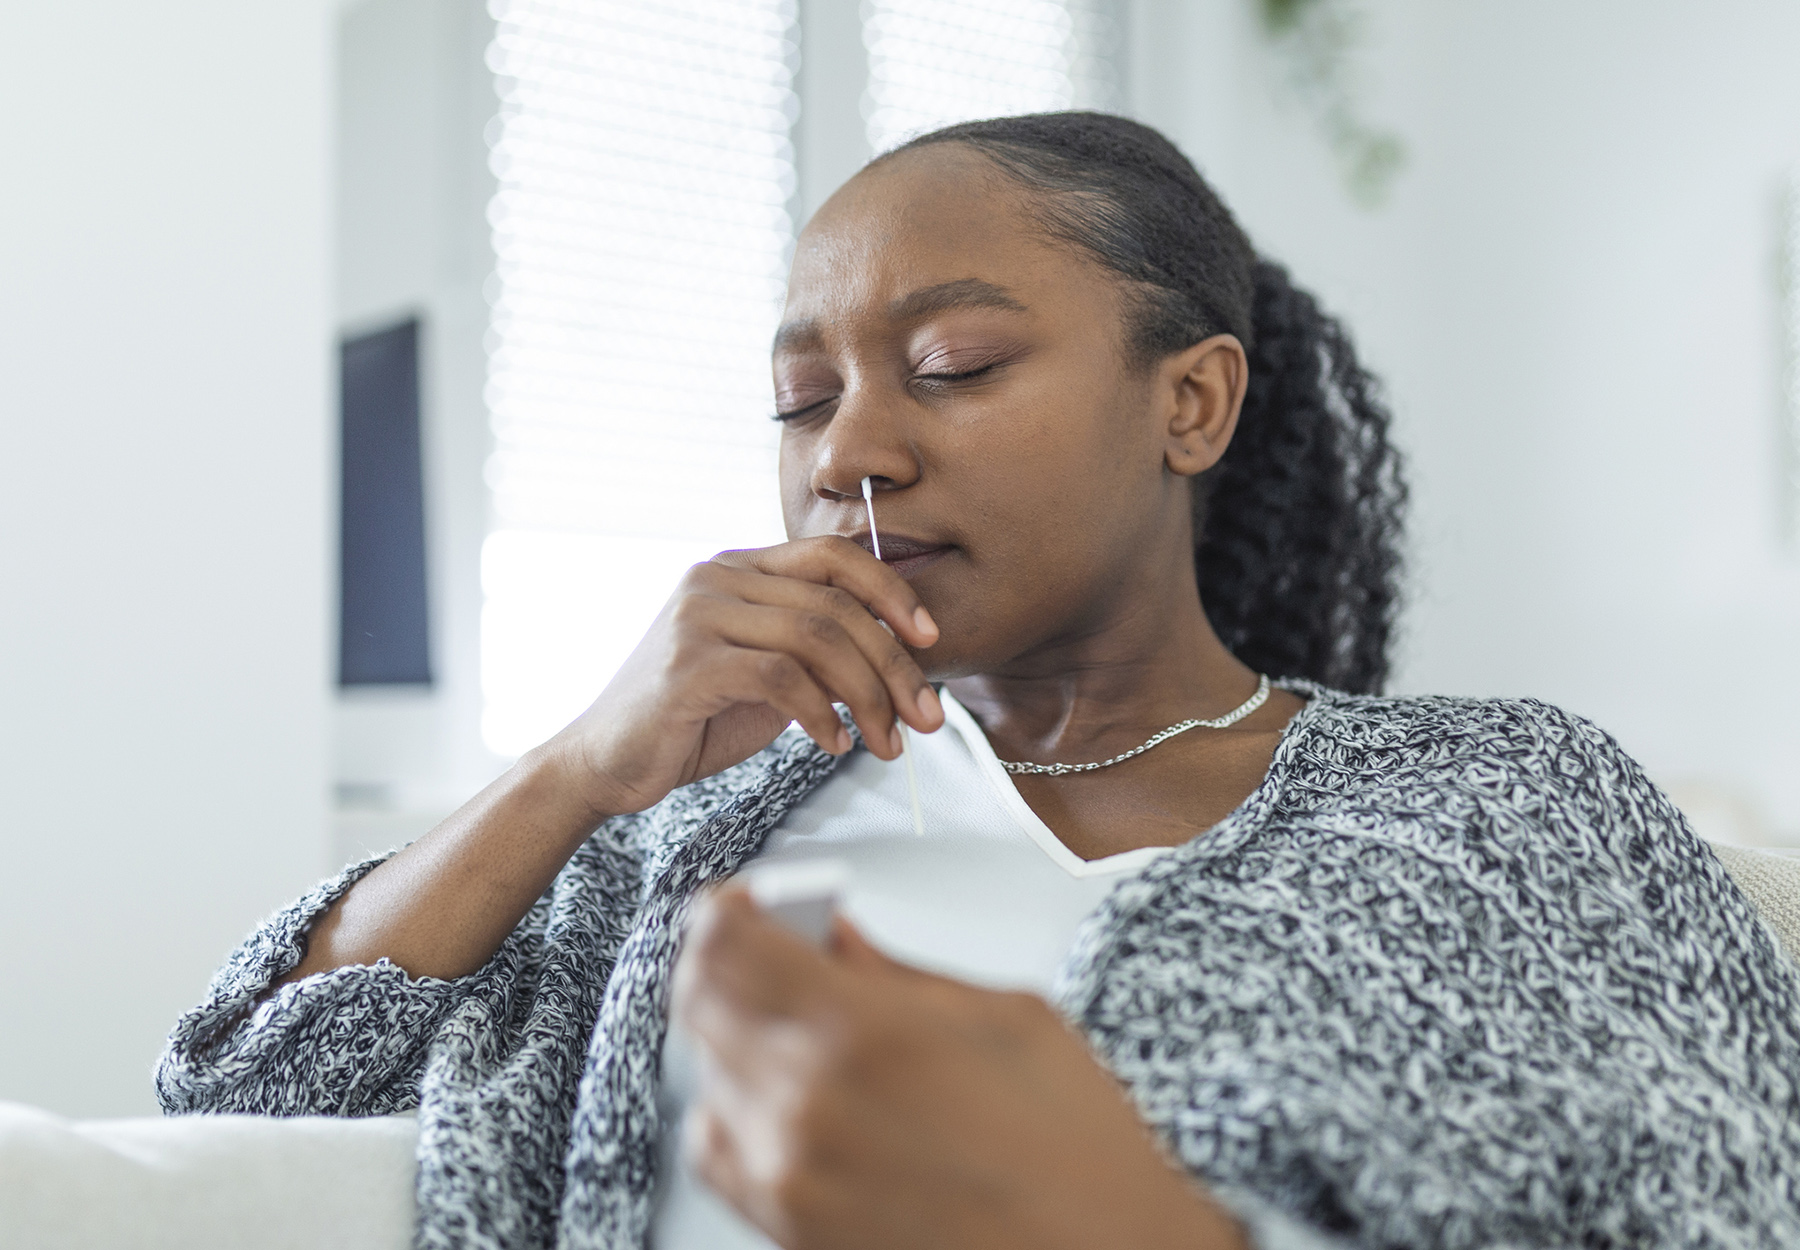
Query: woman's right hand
(750, 641)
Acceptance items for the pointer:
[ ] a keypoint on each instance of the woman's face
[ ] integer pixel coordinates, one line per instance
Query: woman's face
(938, 341)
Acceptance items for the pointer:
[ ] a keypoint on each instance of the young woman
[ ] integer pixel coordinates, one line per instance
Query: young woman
(1335, 970)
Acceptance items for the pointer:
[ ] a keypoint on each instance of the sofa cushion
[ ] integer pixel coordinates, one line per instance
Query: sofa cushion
(205, 1182)
(1770, 879)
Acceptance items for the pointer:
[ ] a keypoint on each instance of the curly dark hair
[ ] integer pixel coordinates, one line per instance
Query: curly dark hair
(1298, 527)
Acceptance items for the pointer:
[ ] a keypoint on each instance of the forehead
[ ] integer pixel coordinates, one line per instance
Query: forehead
(923, 219)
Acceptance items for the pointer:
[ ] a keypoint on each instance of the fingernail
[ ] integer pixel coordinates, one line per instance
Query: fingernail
(843, 740)
(923, 622)
(929, 707)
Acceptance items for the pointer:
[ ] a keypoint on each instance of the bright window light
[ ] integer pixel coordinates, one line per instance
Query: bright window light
(934, 62)
(641, 233)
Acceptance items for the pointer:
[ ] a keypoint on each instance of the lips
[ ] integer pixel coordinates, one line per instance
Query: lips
(905, 555)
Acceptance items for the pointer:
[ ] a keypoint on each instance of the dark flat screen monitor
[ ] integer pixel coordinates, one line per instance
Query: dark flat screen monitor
(383, 615)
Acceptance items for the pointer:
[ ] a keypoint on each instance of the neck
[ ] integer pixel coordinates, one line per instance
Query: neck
(1104, 687)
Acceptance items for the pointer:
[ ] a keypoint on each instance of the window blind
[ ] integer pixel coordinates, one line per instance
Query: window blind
(934, 62)
(641, 235)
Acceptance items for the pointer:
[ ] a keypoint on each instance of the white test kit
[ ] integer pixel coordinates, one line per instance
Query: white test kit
(801, 894)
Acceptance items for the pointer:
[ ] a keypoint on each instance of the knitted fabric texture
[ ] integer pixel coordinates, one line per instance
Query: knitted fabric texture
(1455, 975)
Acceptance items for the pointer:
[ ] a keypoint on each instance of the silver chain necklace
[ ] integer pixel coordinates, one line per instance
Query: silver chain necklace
(1232, 717)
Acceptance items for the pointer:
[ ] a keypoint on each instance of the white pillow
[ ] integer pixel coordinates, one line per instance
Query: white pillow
(205, 1182)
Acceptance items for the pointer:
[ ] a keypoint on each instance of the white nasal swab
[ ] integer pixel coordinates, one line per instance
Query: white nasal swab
(869, 502)
(912, 775)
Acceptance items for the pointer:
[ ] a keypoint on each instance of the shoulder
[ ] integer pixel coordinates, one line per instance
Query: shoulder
(1523, 755)
(1453, 729)
(1454, 763)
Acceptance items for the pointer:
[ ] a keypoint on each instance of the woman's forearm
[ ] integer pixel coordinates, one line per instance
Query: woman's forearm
(442, 906)
(727, 665)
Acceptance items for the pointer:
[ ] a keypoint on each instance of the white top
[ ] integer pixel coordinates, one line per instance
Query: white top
(988, 895)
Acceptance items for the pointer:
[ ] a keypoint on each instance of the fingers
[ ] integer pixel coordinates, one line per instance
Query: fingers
(840, 563)
(760, 1005)
(842, 652)
(743, 1154)
(740, 968)
(712, 1152)
(744, 675)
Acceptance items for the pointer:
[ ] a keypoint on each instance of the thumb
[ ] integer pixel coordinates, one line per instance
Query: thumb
(850, 946)
(848, 943)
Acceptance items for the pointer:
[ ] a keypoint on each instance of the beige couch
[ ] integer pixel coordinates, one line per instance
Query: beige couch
(1771, 879)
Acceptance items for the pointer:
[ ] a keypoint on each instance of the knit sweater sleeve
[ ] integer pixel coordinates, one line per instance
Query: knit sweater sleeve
(1459, 974)
(1718, 935)
(1597, 792)
(355, 1041)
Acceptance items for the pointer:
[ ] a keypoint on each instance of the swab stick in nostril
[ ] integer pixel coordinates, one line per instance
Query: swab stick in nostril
(912, 776)
(869, 502)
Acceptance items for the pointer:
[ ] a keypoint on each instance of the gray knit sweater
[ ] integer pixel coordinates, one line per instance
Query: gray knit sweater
(1455, 975)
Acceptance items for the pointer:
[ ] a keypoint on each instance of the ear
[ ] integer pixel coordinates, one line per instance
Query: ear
(1201, 391)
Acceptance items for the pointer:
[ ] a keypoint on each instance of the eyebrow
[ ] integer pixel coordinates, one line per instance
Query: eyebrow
(963, 293)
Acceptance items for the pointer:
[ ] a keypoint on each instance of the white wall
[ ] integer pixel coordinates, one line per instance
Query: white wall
(1572, 296)
(165, 392)
(413, 98)
(831, 140)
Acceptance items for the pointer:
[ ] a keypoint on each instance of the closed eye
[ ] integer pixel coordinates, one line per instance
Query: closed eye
(926, 379)
(794, 414)
(951, 379)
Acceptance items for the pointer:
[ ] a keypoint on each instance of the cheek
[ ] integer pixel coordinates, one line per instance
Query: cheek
(794, 475)
(1053, 485)
(1070, 439)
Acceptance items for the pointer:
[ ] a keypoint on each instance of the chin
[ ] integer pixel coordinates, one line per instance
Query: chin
(951, 656)
(964, 648)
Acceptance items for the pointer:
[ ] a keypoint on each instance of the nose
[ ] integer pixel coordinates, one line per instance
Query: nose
(865, 437)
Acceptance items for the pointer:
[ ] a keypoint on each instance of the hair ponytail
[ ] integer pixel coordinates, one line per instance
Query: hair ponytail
(1299, 524)
(1299, 529)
